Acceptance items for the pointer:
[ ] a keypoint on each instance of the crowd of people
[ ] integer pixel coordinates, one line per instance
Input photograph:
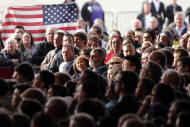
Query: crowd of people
(140, 78)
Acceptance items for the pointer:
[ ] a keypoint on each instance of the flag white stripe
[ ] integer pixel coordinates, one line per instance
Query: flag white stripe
(24, 12)
(23, 20)
(9, 27)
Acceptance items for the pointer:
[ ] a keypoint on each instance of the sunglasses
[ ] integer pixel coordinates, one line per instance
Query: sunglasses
(113, 63)
(18, 39)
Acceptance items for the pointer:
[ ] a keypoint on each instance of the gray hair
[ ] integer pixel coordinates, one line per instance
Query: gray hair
(180, 14)
(83, 120)
(173, 76)
(100, 51)
(70, 46)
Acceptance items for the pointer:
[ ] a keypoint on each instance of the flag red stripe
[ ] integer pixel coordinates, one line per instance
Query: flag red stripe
(7, 31)
(26, 9)
(35, 39)
(39, 39)
(68, 28)
(31, 17)
(23, 16)
(22, 23)
(36, 31)
(31, 31)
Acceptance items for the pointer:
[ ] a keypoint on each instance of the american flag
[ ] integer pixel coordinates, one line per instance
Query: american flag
(36, 19)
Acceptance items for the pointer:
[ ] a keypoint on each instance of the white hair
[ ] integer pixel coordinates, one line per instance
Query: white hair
(51, 28)
(11, 39)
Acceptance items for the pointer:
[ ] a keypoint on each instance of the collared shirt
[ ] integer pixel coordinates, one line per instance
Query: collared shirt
(147, 19)
(179, 31)
(156, 5)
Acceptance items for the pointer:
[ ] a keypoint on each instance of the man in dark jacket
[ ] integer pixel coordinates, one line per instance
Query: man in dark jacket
(145, 15)
(171, 11)
(64, 60)
(43, 48)
(125, 83)
(157, 9)
(97, 58)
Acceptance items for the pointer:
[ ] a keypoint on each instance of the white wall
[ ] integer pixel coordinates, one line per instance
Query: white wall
(113, 6)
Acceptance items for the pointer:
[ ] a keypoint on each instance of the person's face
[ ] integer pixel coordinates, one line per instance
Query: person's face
(129, 34)
(146, 8)
(184, 40)
(153, 58)
(174, 2)
(116, 45)
(108, 92)
(119, 86)
(95, 59)
(81, 65)
(144, 58)
(48, 108)
(117, 80)
(81, 25)
(188, 45)
(68, 1)
(164, 39)
(17, 77)
(128, 50)
(94, 44)
(139, 38)
(78, 42)
(138, 90)
(19, 30)
(79, 93)
(113, 62)
(110, 75)
(57, 41)
(26, 38)
(72, 123)
(176, 57)
(68, 40)
(147, 37)
(136, 24)
(172, 114)
(152, 24)
(18, 38)
(11, 46)
(127, 66)
(37, 82)
(15, 100)
(67, 53)
(180, 67)
(145, 72)
(179, 21)
(50, 35)
(49, 93)
(93, 30)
